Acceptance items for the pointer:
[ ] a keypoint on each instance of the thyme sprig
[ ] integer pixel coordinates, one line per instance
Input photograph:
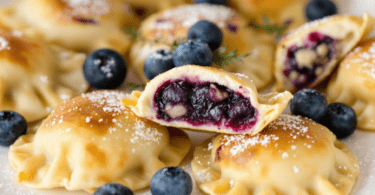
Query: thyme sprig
(177, 42)
(221, 58)
(270, 28)
(132, 32)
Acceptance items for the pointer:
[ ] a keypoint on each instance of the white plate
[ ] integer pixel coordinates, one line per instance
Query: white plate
(361, 143)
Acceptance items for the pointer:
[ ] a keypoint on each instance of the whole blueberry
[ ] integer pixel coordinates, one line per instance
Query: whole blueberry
(340, 119)
(309, 103)
(217, 113)
(12, 126)
(157, 63)
(206, 32)
(113, 189)
(317, 9)
(105, 69)
(217, 2)
(171, 181)
(238, 109)
(192, 52)
(175, 93)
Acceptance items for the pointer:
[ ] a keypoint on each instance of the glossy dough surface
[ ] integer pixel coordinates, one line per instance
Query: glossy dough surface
(92, 140)
(354, 84)
(291, 156)
(267, 107)
(344, 32)
(78, 25)
(36, 77)
(160, 30)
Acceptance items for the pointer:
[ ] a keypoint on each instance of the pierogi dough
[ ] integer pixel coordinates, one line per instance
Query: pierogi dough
(291, 156)
(78, 25)
(92, 140)
(354, 84)
(36, 77)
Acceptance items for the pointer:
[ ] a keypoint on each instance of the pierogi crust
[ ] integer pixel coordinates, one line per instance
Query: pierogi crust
(292, 155)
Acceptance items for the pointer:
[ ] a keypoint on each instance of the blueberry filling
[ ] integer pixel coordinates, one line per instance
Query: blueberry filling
(202, 103)
(233, 28)
(305, 63)
(217, 155)
(161, 20)
(288, 22)
(140, 11)
(85, 20)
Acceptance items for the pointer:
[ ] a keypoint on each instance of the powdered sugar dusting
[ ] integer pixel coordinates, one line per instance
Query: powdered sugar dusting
(108, 102)
(107, 116)
(241, 75)
(146, 134)
(368, 68)
(107, 68)
(365, 60)
(291, 123)
(79, 8)
(7, 178)
(210, 146)
(157, 55)
(276, 97)
(203, 176)
(44, 79)
(296, 128)
(296, 169)
(361, 143)
(4, 44)
(17, 33)
(240, 142)
(183, 17)
(190, 14)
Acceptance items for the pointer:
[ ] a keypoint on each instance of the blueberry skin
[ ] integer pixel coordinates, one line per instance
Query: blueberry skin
(206, 32)
(12, 126)
(105, 69)
(113, 189)
(157, 63)
(171, 181)
(176, 93)
(216, 2)
(309, 103)
(192, 52)
(340, 119)
(318, 9)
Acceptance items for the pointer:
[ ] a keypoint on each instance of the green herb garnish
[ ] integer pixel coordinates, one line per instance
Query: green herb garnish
(272, 29)
(177, 42)
(221, 58)
(132, 32)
